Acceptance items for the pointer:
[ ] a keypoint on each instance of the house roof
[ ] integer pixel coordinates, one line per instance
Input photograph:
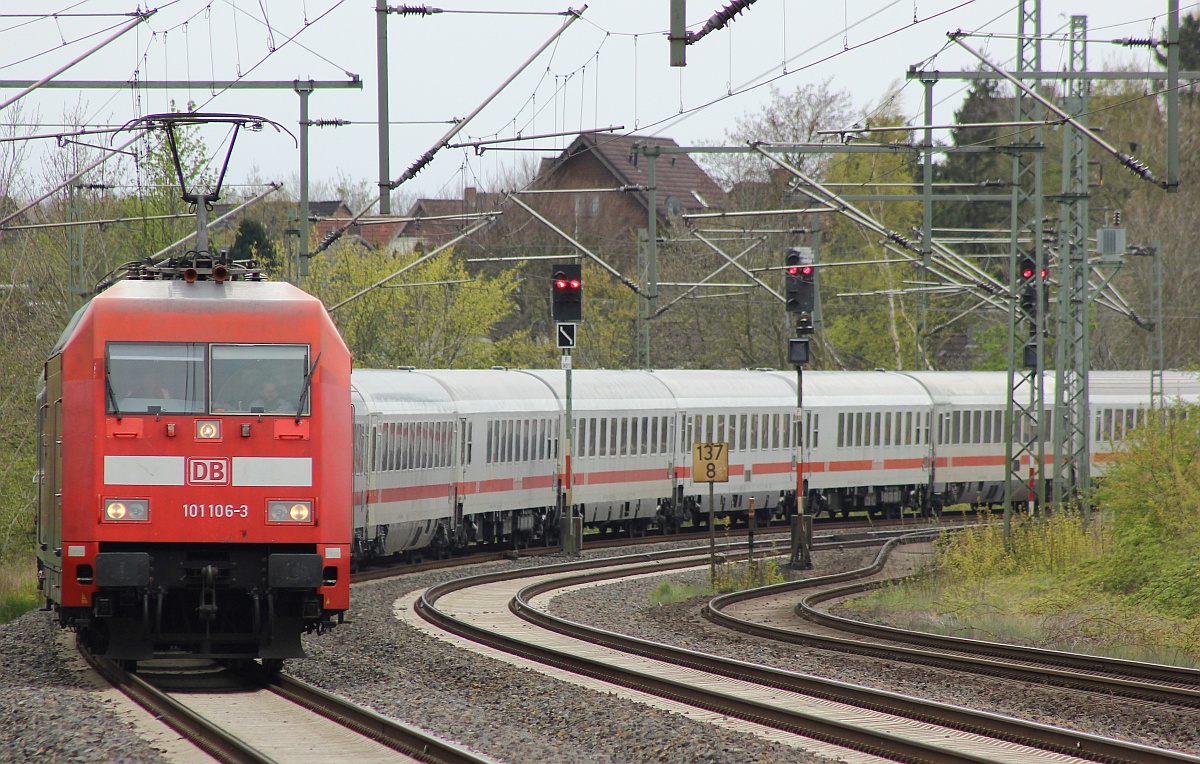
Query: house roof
(473, 202)
(328, 209)
(681, 185)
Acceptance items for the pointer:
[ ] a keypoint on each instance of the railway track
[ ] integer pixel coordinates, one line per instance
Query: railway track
(249, 716)
(794, 615)
(828, 532)
(500, 610)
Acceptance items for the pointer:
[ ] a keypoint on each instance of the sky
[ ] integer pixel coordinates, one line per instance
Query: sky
(608, 69)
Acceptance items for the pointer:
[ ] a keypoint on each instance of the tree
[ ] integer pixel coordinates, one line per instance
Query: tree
(872, 331)
(794, 117)
(440, 324)
(252, 242)
(983, 104)
(1189, 45)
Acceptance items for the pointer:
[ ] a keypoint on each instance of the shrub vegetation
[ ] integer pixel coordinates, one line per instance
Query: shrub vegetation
(1120, 581)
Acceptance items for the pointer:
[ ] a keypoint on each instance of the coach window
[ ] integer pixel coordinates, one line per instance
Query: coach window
(152, 377)
(255, 379)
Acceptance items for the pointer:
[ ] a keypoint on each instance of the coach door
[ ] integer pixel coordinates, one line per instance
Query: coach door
(460, 474)
(362, 450)
(675, 448)
(370, 480)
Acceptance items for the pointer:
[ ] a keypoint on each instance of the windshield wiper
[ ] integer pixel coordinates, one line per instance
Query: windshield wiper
(112, 396)
(307, 386)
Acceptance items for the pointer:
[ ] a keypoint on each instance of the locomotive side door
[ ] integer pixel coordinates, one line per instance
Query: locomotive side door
(50, 481)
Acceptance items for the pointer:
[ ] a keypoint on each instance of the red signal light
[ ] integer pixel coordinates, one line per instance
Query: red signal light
(793, 271)
(1027, 273)
(560, 284)
(575, 283)
(807, 270)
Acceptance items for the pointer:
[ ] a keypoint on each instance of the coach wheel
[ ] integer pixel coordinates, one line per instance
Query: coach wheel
(272, 666)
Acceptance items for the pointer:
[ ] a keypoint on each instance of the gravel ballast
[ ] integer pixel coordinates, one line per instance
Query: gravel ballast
(514, 714)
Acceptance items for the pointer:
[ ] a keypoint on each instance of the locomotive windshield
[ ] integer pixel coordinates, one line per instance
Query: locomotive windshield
(170, 378)
(255, 379)
(156, 377)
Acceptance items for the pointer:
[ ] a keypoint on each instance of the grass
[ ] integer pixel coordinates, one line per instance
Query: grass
(1036, 593)
(730, 577)
(18, 587)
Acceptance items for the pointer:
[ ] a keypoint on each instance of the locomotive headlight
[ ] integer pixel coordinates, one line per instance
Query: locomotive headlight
(289, 511)
(208, 429)
(127, 510)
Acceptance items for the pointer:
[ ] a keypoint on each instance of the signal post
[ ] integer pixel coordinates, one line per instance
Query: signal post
(566, 308)
(800, 299)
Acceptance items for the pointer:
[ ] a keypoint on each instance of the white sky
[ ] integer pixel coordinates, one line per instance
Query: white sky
(610, 68)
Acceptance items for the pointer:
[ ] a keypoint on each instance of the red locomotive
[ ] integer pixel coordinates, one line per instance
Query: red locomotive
(194, 456)
(194, 472)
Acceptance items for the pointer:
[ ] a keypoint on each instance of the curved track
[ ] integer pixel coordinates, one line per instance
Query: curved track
(794, 617)
(500, 610)
(249, 716)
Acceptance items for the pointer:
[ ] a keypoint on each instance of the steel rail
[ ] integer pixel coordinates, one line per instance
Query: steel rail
(1005, 728)
(1047, 667)
(399, 737)
(810, 725)
(1124, 677)
(201, 732)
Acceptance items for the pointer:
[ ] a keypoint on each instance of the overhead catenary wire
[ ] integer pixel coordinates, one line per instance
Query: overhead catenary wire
(427, 157)
(125, 28)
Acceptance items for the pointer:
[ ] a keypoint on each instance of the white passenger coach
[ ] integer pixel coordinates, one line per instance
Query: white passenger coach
(444, 458)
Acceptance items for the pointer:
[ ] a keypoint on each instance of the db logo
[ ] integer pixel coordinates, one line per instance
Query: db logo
(208, 472)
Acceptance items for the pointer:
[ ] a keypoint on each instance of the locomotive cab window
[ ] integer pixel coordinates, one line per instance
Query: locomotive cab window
(258, 379)
(155, 377)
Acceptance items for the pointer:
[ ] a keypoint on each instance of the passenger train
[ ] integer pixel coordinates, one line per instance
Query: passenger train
(444, 458)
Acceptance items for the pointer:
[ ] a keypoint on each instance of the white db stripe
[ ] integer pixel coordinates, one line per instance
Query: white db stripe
(143, 470)
(271, 471)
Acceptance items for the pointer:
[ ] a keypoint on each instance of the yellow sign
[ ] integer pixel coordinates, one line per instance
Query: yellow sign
(710, 462)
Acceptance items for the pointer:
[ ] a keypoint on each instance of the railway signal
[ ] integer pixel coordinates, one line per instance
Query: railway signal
(567, 293)
(1028, 287)
(800, 288)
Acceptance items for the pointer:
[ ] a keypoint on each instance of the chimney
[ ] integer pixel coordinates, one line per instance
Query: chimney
(469, 198)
